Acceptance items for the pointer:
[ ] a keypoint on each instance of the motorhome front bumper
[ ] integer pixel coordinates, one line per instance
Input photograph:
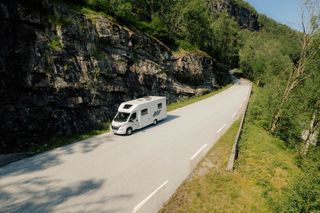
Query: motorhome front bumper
(118, 130)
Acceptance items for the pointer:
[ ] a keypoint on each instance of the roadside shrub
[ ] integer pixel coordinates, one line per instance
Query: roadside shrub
(303, 195)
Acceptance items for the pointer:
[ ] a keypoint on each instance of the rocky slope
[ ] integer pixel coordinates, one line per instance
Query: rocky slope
(245, 17)
(64, 71)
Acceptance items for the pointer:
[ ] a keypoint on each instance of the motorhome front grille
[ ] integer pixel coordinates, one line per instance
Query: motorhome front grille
(115, 128)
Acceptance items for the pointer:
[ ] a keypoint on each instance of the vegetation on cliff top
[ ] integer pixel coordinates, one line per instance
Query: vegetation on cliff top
(182, 24)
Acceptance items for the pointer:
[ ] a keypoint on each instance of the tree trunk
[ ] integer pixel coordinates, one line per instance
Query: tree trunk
(314, 124)
(278, 114)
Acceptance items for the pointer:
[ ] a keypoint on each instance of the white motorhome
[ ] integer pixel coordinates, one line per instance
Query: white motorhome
(138, 113)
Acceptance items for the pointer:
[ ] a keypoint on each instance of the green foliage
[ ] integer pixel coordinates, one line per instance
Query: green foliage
(216, 34)
(262, 58)
(156, 28)
(303, 195)
(97, 54)
(268, 58)
(185, 45)
(226, 40)
(99, 5)
(288, 38)
(55, 44)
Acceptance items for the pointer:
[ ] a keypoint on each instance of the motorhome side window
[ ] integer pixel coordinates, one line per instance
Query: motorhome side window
(144, 112)
(160, 106)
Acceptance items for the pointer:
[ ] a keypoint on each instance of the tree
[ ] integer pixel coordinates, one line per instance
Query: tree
(307, 54)
(312, 93)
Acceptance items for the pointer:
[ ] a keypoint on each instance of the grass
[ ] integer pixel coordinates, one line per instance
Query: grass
(263, 172)
(181, 52)
(186, 101)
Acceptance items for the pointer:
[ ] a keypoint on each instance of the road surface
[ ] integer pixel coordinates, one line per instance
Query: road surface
(110, 173)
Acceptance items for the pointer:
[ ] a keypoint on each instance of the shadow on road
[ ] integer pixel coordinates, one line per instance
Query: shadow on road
(43, 194)
(162, 122)
(52, 158)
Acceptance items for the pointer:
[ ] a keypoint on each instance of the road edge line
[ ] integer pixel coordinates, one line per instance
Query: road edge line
(144, 201)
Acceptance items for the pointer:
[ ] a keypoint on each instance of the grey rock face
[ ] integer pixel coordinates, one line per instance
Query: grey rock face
(244, 17)
(64, 72)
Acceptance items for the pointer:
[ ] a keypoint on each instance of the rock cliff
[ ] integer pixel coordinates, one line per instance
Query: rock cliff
(245, 17)
(65, 71)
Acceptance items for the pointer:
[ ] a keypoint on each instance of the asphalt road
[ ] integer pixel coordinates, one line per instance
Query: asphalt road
(110, 173)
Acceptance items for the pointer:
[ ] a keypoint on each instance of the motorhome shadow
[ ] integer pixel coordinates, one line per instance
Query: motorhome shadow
(139, 113)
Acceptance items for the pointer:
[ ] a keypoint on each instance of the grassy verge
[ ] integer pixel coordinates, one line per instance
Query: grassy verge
(264, 170)
(59, 141)
(186, 101)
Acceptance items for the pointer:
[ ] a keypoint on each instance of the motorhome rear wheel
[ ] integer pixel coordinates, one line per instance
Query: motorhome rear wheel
(155, 122)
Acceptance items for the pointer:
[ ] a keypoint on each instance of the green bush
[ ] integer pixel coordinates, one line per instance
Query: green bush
(303, 195)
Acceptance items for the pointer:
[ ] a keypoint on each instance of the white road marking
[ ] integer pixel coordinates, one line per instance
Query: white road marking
(197, 153)
(234, 115)
(224, 125)
(137, 207)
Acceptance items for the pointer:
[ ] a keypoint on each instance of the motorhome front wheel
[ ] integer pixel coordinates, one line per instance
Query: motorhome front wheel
(129, 131)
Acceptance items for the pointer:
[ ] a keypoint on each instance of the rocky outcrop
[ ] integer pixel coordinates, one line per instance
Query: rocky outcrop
(245, 17)
(63, 71)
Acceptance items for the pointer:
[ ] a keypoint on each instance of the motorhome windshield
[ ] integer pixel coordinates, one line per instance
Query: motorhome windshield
(121, 117)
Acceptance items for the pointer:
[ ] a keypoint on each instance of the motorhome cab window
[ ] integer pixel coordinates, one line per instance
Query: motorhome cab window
(144, 112)
(160, 106)
(121, 117)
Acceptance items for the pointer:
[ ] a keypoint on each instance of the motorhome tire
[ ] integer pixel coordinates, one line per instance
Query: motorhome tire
(155, 122)
(129, 131)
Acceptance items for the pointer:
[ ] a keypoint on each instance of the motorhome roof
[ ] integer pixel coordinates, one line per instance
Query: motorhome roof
(142, 100)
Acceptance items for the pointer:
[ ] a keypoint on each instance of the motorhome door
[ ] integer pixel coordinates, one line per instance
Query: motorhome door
(134, 121)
